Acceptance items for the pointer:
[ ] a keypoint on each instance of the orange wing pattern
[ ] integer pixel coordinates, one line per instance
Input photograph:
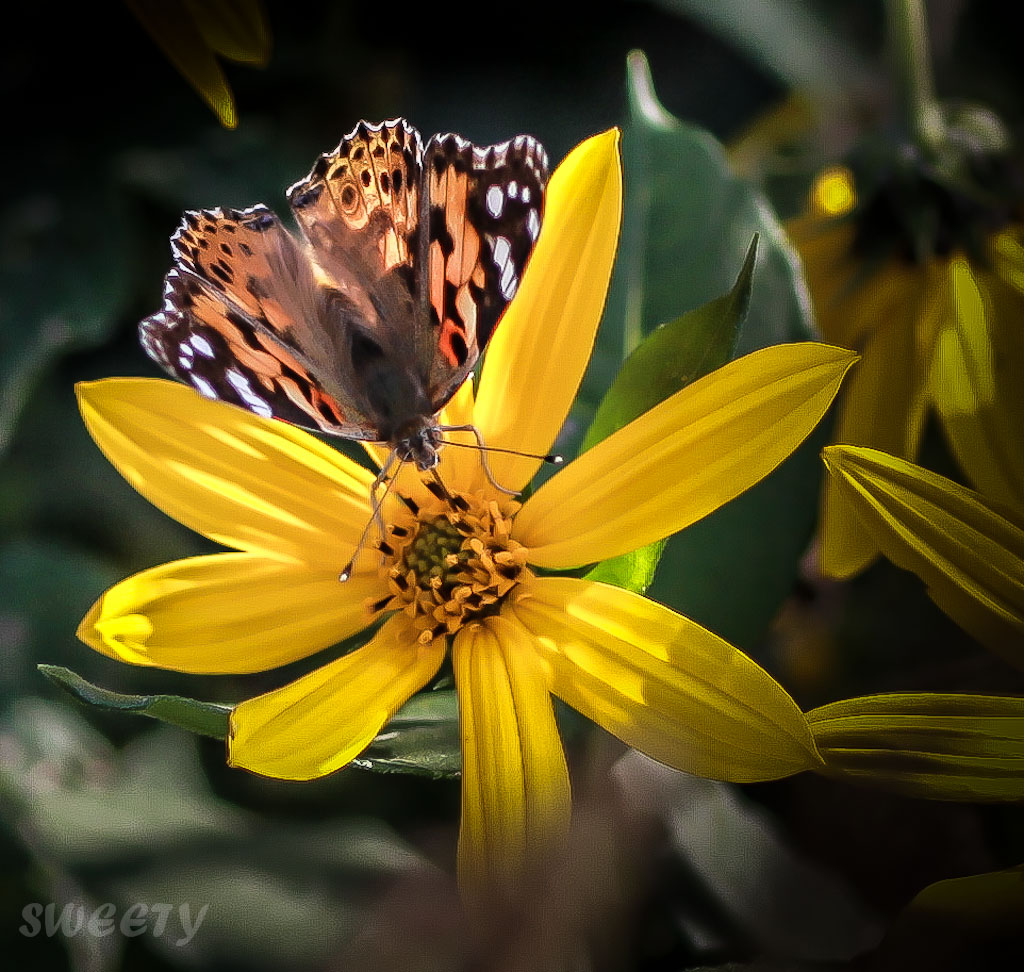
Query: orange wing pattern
(366, 325)
(484, 208)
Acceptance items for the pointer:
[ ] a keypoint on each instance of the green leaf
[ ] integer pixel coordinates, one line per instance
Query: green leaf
(674, 355)
(688, 221)
(203, 718)
(931, 746)
(668, 359)
(421, 739)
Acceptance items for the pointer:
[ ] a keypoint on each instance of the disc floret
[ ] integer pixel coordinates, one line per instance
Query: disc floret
(451, 562)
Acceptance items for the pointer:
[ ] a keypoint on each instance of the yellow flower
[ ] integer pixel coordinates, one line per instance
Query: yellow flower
(193, 32)
(946, 746)
(462, 574)
(934, 309)
(968, 552)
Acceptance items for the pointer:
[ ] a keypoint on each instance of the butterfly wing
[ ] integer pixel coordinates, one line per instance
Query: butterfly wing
(239, 322)
(482, 210)
(359, 208)
(367, 326)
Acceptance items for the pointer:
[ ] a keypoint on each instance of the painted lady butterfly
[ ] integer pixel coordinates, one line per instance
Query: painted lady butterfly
(367, 325)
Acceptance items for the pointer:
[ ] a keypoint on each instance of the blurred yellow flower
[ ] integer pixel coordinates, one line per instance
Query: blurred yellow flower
(969, 552)
(945, 746)
(927, 284)
(460, 573)
(191, 33)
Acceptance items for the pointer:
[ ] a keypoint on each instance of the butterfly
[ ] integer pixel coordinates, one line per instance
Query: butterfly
(366, 323)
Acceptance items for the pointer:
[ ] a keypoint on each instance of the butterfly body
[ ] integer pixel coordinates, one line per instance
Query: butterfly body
(367, 322)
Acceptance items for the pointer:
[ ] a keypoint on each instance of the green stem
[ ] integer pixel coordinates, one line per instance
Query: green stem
(912, 63)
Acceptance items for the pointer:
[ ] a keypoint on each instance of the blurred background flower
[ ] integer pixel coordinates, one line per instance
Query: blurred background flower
(193, 32)
(913, 255)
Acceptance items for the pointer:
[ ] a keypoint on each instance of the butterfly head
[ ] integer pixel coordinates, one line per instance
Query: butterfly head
(420, 444)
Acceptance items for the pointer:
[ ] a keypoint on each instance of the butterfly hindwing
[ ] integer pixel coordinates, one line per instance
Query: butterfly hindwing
(482, 209)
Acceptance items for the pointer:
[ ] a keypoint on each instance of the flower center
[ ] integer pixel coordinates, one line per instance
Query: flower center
(449, 562)
(906, 207)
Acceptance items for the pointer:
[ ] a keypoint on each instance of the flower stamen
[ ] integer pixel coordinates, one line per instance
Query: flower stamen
(450, 562)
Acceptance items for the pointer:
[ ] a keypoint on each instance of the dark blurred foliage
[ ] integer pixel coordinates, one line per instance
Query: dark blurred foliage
(104, 145)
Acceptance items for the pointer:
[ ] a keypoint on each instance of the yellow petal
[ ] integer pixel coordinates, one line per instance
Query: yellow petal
(684, 458)
(883, 406)
(540, 350)
(515, 783)
(320, 722)
(941, 747)
(977, 385)
(227, 613)
(243, 481)
(662, 683)
(170, 24)
(968, 554)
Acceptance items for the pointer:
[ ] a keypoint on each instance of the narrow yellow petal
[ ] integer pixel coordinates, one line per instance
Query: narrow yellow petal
(662, 683)
(515, 783)
(684, 458)
(320, 722)
(243, 481)
(940, 747)
(541, 348)
(977, 385)
(968, 554)
(883, 406)
(227, 614)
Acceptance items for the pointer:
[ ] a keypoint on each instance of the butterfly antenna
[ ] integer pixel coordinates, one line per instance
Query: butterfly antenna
(376, 517)
(553, 458)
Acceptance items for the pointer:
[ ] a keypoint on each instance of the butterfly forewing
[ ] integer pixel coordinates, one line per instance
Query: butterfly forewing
(482, 209)
(227, 354)
(359, 206)
(365, 326)
(238, 321)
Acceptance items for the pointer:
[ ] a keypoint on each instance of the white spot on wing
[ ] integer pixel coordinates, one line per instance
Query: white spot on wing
(203, 387)
(202, 345)
(509, 281)
(253, 401)
(533, 224)
(500, 249)
(495, 200)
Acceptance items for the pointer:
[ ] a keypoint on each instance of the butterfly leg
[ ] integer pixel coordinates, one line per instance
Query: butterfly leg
(376, 518)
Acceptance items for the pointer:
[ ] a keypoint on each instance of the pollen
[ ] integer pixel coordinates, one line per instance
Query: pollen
(451, 562)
